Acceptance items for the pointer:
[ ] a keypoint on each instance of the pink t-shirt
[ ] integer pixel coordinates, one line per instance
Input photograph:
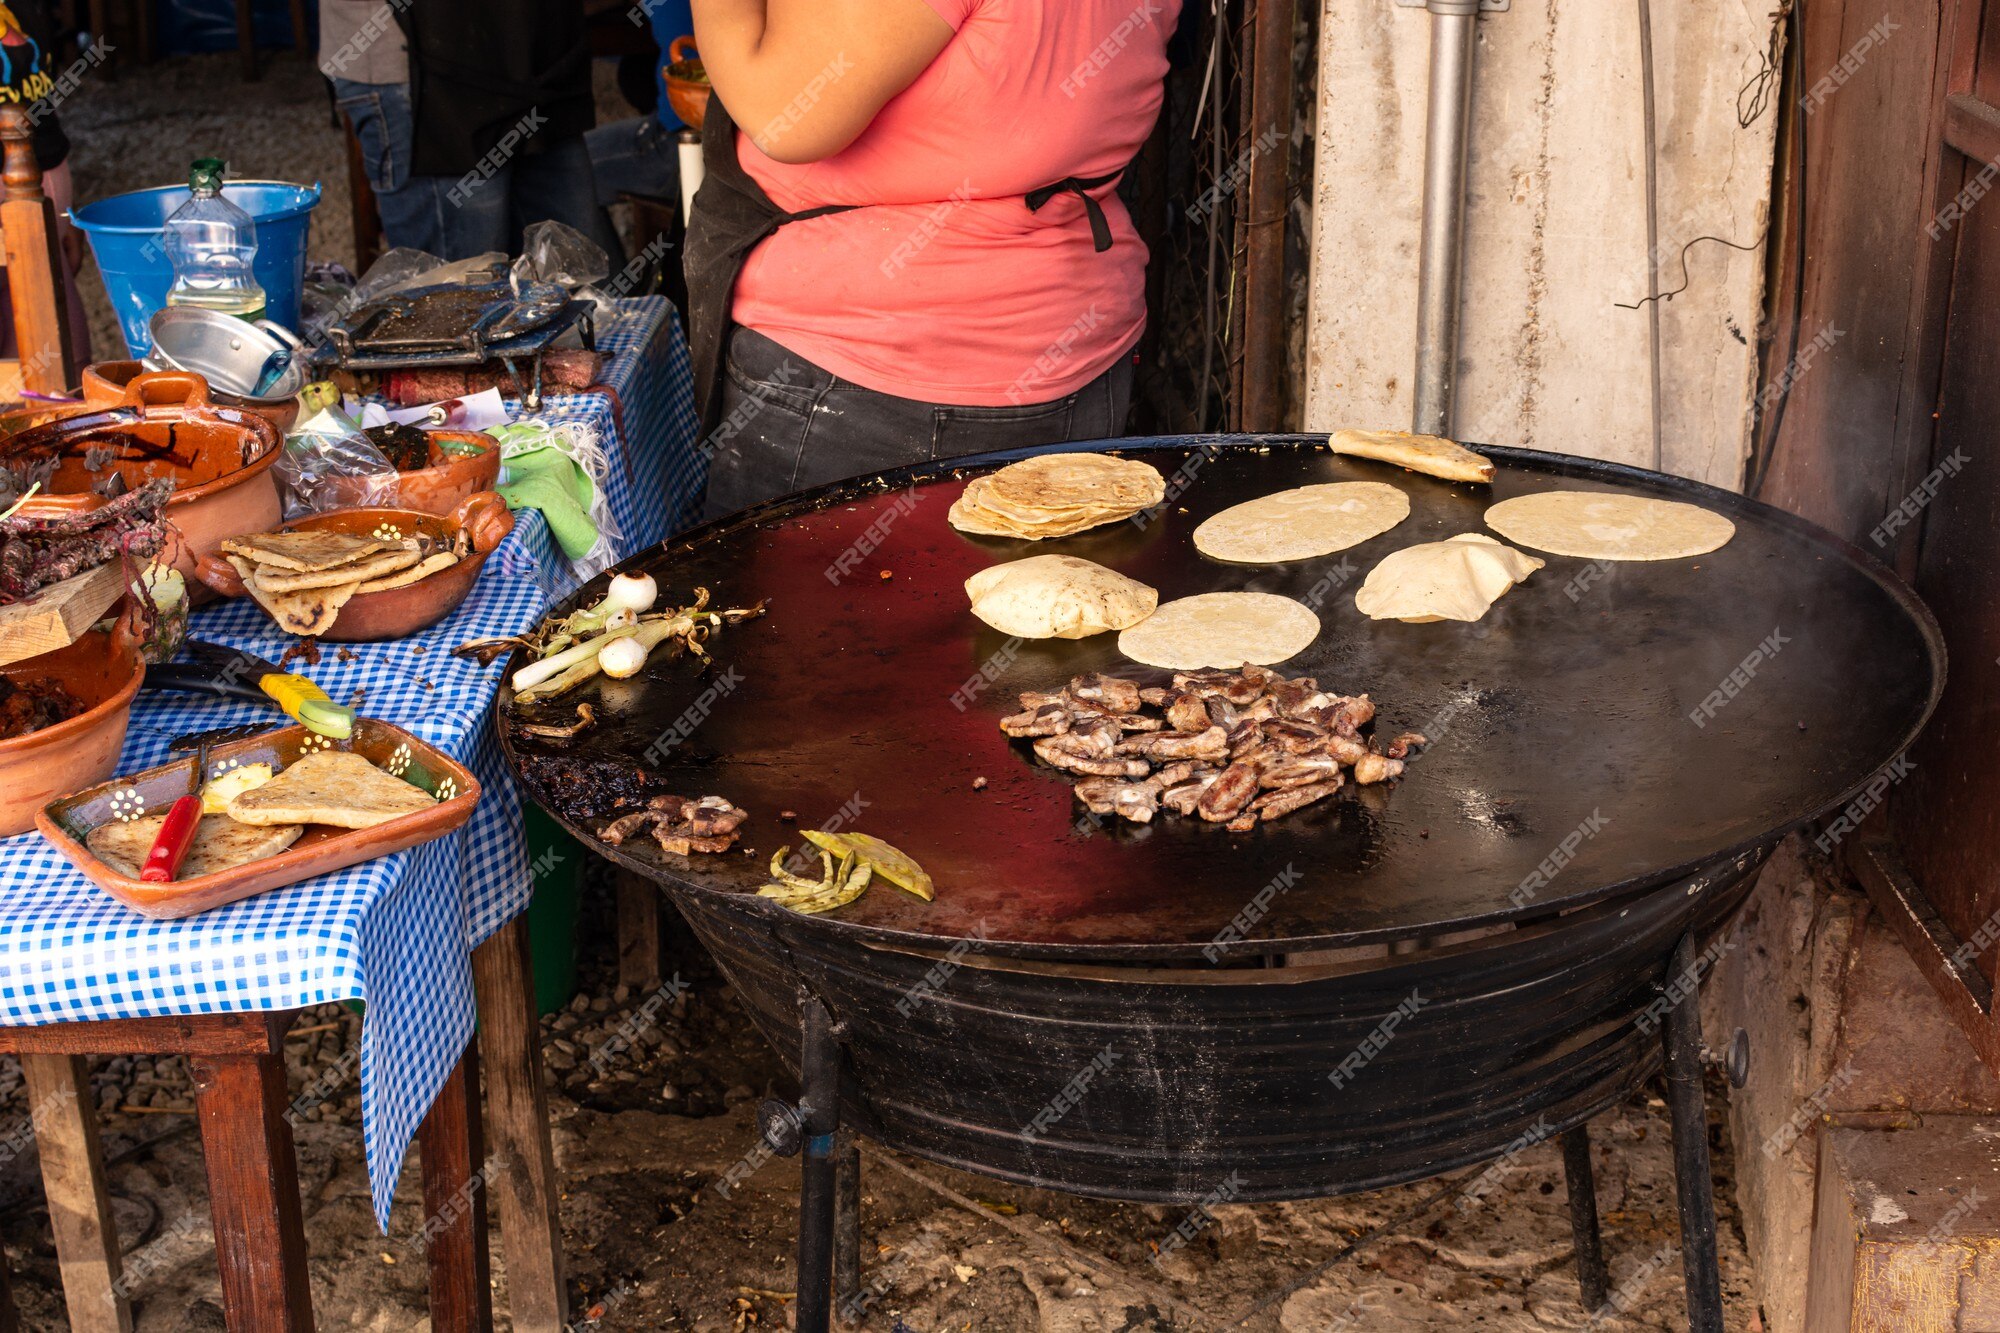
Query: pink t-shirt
(947, 288)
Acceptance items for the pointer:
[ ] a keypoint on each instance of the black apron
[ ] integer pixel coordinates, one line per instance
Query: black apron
(732, 214)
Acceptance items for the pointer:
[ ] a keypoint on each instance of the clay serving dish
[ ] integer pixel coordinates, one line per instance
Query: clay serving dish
(103, 670)
(688, 88)
(164, 426)
(396, 613)
(104, 386)
(449, 481)
(66, 823)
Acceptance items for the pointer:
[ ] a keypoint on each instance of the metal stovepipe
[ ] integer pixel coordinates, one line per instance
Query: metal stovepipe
(1447, 137)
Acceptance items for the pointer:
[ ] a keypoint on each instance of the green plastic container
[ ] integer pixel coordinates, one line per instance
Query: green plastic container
(556, 861)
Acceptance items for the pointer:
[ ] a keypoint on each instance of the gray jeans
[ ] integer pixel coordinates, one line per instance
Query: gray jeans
(787, 425)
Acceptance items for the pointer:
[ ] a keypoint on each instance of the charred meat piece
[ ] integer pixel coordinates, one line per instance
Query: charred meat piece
(625, 826)
(581, 789)
(713, 817)
(1372, 768)
(1183, 798)
(1094, 738)
(1156, 695)
(1235, 687)
(1099, 795)
(1035, 700)
(1188, 712)
(1139, 722)
(1113, 694)
(1225, 798)
(1046, 751)
(681, 826)
(1295, 698)
(1287, 771)
(1346, 749)
(1138, 802)
(1244, 736)
(1050, 719)
(1210, 744)
(1293, 737)
(1173, 775)
(1278, 804)
(681, 844)
(1243, 823)
(1400, 747)
(1221, 712)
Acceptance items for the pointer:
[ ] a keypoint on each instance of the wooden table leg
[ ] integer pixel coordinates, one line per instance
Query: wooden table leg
(641, 944)
(455, 1181)
(65, 1120)
(253, 1193)
(517, 1103)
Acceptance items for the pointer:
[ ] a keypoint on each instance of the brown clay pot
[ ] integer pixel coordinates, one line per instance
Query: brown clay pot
(103, 670)
(449, 481)
(104, 386)
(395, 613)
(165, 426)
(687, 91)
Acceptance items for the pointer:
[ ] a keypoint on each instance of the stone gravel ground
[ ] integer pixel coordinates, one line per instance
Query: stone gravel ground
(644, 1135)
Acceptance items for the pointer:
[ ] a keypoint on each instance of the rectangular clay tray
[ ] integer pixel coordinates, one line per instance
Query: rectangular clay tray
(67, 822)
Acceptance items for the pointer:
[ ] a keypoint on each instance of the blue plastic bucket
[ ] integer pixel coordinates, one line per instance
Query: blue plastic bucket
(125, 232)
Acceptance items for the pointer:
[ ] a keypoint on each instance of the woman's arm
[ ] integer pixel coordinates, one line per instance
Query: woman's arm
(803, 78)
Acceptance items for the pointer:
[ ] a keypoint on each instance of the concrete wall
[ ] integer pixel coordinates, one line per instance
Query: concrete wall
(1556, 232)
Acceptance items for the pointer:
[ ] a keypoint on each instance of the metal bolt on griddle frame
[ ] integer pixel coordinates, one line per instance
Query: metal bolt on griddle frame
(1734, 1062)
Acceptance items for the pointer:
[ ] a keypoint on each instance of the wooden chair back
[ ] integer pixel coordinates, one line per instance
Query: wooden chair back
(35, 291)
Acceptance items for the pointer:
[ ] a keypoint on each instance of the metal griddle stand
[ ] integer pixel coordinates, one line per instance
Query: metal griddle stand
(829, 1243)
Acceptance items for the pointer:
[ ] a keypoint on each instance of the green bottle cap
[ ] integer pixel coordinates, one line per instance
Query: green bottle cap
(205, 176)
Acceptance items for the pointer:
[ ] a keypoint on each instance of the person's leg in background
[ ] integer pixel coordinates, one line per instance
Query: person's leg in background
(412, 207)
(556, 184)
(56, 185)
(637, 156)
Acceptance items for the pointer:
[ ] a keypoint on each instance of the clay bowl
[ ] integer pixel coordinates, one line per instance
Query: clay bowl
(103, 670)
(164, 426)
(449, 481)
(394, 613)
(104, 386)
(687, 83)
(320, 850)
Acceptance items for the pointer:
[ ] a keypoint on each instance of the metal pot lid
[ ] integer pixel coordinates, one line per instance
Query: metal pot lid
(260, 362)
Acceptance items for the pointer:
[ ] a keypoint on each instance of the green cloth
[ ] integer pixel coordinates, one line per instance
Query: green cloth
(543, 477)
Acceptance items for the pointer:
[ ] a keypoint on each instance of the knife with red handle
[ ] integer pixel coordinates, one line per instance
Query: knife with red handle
(176, 835)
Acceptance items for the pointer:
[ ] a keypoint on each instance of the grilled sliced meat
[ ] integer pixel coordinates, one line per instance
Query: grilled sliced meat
(1050, 719)
(1235, 687)
(1296, 698)
(1243, 737)
(713, 817)
(1372, 768)
(1183, 798)
(1210, 744)
(1225, 798)
(1188, 712)
(1112, 694)
(1156, 695)
(625, 826)
(1092, 738)
(1221, 712)
(1139, 722)
(1347, 749)
(1173, 775)
(1137, 803)
(1278, 804)
(1099, 795)
(681, 826)
(1288, 771)
(1410, 740)
(1243, 823)
(681, 844)
(1095, 767)
(1034, 700)
(1293, 737)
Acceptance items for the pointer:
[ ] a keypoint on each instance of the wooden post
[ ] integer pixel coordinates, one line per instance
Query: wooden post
(34, 262)
(253, 1188)
(455, 1182)
(640, 941)
(65, 1121)
(524, 1176)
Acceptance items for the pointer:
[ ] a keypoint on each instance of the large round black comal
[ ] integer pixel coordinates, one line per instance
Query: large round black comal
(1395, 982)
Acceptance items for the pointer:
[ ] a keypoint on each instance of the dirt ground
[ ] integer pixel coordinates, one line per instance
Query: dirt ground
(652, 1243)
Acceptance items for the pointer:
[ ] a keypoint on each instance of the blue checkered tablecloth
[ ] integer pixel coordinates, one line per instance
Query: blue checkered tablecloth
(398, 931)
(656, 477)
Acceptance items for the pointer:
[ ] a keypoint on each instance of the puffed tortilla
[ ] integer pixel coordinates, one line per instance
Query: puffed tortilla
(1457, 579)
(1430, 454)
(1054, 480)
(1302, 523)
(1058, 597)
(219, 844)
(336, 787)
(1221, 629)
(1596, 526)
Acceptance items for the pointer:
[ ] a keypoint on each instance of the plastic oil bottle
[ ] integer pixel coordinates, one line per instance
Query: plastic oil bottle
(211, 243)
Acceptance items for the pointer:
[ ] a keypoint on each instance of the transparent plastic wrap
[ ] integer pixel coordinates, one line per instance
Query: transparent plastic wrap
(555, 253)
(327, 463)
(404, 269)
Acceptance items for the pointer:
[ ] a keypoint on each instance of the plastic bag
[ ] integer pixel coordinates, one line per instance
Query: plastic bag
(555, 253)
(405, 269)
(327, 463)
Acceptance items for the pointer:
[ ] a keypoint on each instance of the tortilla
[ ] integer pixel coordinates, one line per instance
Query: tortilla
(220, 843)
(1058, 597)
(1053, 480)
(982, 512)
(1457, 579)
(378, 565)
(1596, 526)
(308, 613)
(1302, 523)
(1429, 454)
(422, 570)
(334, 787)
(302, 550)
(1221, 629)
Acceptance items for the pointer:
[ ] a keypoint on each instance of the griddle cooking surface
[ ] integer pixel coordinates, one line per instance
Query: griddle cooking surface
(1563, 756)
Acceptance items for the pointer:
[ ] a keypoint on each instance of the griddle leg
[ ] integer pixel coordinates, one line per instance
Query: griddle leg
(847, 1227)
(819, 1105)
(1694, 1183)
(1591, 1276)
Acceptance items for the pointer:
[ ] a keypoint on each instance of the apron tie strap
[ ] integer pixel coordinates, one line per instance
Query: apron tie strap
(1100, 229)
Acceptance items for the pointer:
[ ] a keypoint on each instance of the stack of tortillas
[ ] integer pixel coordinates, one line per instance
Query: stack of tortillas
(1057, 495)
(303, 578)
(1459, 579)
(1058, 597)
(1599, 526)
(1303, 523)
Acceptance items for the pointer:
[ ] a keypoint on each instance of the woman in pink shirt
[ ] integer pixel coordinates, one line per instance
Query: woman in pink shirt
(913, 248)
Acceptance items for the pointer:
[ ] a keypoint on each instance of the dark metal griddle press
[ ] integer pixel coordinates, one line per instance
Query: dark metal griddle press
(1615, 749)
